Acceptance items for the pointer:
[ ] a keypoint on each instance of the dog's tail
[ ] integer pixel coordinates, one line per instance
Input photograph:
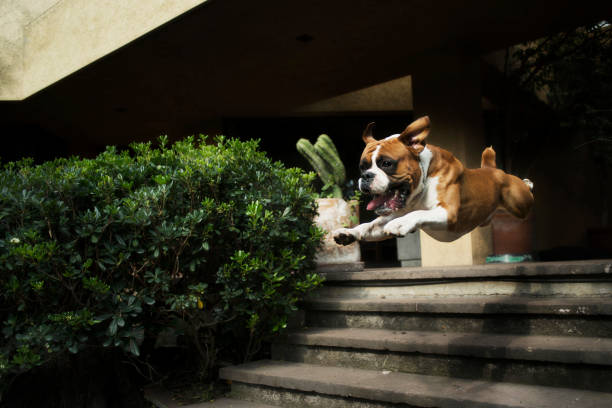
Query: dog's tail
(488, 158)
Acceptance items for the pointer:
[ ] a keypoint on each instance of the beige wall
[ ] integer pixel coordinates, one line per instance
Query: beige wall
(15, 17)
(390, 96)
(43, 41)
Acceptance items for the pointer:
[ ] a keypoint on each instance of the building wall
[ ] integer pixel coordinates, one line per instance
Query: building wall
(43, 41)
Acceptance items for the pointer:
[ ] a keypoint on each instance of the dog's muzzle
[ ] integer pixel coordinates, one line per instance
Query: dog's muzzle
(365, 181)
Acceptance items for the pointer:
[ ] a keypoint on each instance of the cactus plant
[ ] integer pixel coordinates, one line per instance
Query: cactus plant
(324, 159)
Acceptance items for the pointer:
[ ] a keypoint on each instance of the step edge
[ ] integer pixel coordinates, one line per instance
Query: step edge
(528, 269)
(566, 306)
(480, 345)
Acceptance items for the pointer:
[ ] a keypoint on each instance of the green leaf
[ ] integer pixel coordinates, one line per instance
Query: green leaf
(134, 348)
(103, 317)
(112, 327)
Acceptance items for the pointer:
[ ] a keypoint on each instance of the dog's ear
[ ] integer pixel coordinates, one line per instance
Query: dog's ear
(415, 134)
(367, 133)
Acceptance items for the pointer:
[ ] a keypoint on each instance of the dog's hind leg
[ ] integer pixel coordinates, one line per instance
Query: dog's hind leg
(517, 197)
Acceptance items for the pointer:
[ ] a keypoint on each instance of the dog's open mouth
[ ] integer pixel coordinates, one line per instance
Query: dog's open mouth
(393, 200)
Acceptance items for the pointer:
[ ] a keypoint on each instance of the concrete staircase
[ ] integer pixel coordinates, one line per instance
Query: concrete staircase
(522, 335)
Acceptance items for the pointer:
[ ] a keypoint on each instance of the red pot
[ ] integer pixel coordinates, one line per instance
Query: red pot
(511, 235)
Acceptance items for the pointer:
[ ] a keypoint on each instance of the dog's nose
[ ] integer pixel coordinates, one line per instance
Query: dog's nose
(368, 175)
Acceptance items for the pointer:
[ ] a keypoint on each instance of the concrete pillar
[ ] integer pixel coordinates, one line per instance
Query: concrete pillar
(409, 249)
(448, 89)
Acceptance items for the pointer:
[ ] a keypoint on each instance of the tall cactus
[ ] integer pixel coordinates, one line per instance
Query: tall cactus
(324, 159)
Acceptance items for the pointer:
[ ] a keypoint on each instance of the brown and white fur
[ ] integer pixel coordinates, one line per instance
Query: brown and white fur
(417, 185)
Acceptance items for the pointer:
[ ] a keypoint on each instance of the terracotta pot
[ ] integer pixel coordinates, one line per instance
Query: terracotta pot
(336, 213)
(511, 235)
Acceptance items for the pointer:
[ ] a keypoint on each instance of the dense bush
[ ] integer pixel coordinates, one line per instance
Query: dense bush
(204, 240)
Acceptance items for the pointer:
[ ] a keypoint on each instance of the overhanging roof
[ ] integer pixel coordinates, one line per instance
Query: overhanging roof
(242, 57)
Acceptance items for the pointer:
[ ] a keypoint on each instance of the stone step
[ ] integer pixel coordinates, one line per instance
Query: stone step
(518, 324)
(593, 269)
(572, 350)
(558, 306)
(496, 315)
(584, 363)
(468, 288)
(306, 385)
(571, 279)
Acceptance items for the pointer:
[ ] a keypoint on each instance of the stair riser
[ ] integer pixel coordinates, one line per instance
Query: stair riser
(579, 376)
(470, 288)
(506, 324)
(298, 399)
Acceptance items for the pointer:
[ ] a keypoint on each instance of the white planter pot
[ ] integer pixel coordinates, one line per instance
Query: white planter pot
(336, 213)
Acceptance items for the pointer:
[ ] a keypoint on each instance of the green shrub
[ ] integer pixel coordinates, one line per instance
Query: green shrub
(206, 240)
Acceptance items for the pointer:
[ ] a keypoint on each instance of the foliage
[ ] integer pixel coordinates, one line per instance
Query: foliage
(206, 240)
(324, 159)
(572, 71)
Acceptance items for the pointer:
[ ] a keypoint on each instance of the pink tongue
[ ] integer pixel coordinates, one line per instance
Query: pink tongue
(377, 202)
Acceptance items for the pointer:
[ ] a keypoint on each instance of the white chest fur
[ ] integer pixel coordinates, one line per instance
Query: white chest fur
(425, 196)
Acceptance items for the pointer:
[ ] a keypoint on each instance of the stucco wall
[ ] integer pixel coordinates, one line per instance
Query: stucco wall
(42, 41)
(15, 17)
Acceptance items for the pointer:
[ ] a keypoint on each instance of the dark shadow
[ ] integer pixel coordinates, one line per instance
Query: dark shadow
(28, 140)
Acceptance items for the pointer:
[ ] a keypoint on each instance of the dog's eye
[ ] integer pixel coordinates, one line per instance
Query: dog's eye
(386, 163)
(363, 166)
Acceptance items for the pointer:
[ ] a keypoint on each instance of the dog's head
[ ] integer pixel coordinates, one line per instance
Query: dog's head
(390, 168)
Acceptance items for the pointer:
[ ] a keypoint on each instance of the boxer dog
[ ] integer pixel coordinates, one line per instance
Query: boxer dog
(417, 185)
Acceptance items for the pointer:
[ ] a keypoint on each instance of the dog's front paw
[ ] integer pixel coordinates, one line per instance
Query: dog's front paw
(344, 236)
(399, 228)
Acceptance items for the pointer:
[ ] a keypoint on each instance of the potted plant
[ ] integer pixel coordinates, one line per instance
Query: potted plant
(333, 211)
(512, 238)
